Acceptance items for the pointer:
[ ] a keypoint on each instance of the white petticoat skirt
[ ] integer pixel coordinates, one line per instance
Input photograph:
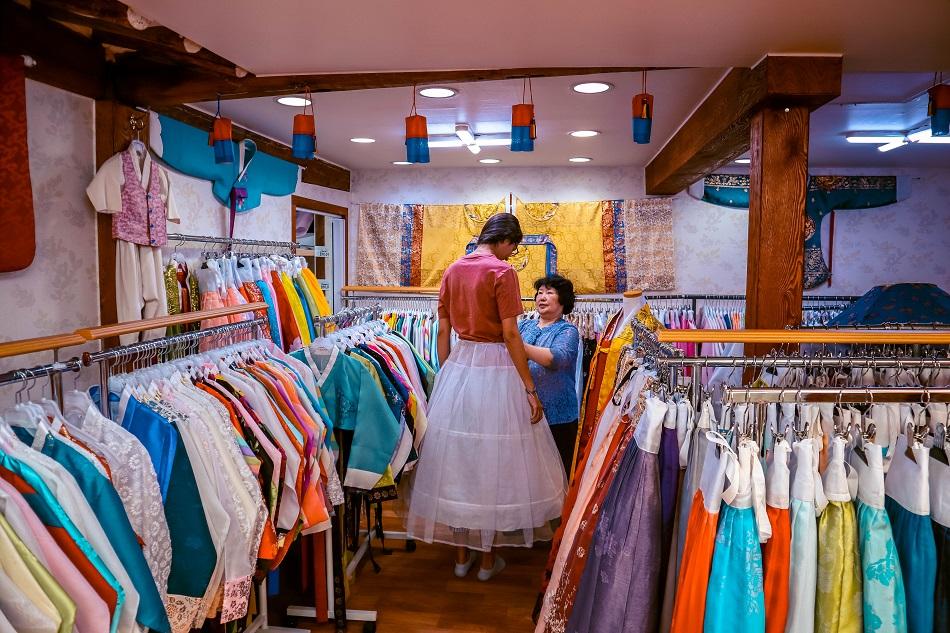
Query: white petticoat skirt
(486, 476)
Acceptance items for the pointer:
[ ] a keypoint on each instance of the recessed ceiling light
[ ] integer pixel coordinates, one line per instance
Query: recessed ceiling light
(743, 161)
(489, 161)
(438, 92)
(362, 139)
(401, 162)
(579, 159)
(293, 102)
(592, 87)
(584, 133)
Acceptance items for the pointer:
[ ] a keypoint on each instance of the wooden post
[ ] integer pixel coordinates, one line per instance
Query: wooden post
(779, 183)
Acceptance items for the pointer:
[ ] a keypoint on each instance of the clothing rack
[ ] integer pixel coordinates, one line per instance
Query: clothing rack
(346, 315)
(231, 241)
(832, 336)
(923, 395)
(105, 357)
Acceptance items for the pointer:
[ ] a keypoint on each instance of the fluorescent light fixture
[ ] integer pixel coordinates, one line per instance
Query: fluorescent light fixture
(592, 87)
(872, 138)
(449, 142)
(293, 102)
(473, 148)
(584, 133)
(438, 92)
(464, 132)
(579, 159)
(743, 161)
(493, 142)
(890, 146)
(926, 136)
(401, 162)
(489, 161)
(362, 139)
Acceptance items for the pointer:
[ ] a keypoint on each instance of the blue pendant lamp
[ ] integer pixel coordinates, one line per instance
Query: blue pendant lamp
(524, 128)
(417, 135)
(220, 138)
(642, 114)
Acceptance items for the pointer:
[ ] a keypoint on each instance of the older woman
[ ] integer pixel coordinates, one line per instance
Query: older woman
(552, 346)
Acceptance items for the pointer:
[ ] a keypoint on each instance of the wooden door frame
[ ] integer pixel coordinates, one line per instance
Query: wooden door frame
(310, 204)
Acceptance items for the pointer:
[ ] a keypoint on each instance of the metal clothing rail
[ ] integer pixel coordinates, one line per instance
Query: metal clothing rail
(105, 357)
(345, 315)
(232, 241)
(923, 395)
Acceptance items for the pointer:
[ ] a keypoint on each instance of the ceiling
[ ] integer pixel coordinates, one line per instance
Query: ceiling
(869, 102)
(486, 107)
(890, 52)
(298, 36)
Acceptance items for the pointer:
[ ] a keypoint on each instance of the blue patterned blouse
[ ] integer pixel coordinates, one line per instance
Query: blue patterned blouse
(557, 386)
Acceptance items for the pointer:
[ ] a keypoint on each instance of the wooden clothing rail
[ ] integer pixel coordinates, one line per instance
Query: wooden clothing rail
(828, 336)
(40, 344)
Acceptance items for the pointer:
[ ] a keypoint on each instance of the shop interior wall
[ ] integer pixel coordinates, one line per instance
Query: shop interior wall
(59, 291)
(906, 241)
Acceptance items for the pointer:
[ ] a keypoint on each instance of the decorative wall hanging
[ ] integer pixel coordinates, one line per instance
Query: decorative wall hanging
(602, 245)
(642, 114)
(185, 148)
(535, 258)
(524, 128)
(18, 239)
(939, 109)
(417, 135)
(825, 195)
(304, 143)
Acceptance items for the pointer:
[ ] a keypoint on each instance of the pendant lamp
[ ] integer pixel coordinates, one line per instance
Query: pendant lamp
(939, 109)
(220, 138)
(417, 135)
(304, 143)
(642, 114)
(524, 128)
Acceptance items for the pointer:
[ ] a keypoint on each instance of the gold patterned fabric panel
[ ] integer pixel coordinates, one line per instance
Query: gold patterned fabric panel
(379, 244)
(576, 230)
(447, 229)
(648, 241)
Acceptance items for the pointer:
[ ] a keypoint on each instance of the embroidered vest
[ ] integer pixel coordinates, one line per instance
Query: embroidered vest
(142, 218)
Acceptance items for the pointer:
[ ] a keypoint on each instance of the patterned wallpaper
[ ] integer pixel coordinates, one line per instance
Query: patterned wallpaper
(59, 291)
(903, 242)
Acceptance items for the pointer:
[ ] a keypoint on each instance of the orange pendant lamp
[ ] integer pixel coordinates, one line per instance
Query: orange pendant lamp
(642, 114)
(417, 135)
(524, 128)
(220, 138)
(304, 144)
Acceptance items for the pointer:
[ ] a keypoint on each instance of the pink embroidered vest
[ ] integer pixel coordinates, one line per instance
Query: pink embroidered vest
(142, 218)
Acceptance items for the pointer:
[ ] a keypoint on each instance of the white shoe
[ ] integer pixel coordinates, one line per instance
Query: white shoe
(461, 571)
(488, 574)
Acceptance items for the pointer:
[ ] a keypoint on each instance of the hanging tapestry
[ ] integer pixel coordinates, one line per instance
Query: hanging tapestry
(535, 258)
(379, 245)
(186, 149)
(608, 245)
(648, 244)
(446, 231)
(390, 245)
(575, 228)
(825, 195)
(18, 240)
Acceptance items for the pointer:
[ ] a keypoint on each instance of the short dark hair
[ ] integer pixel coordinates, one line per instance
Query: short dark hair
(499, 228)
(562, 286)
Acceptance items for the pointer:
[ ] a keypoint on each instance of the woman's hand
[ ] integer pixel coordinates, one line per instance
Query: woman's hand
(536, 411)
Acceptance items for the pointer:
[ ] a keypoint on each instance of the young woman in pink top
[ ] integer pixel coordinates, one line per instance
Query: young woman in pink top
(488, 475)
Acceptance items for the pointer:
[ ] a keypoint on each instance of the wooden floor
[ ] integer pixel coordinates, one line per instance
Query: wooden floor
(418, 592)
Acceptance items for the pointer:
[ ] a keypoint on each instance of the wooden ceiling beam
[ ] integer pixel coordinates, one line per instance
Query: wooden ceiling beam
(108, 19)
(63, 58)
(183, 87)
(719, 130)
(316, 171)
